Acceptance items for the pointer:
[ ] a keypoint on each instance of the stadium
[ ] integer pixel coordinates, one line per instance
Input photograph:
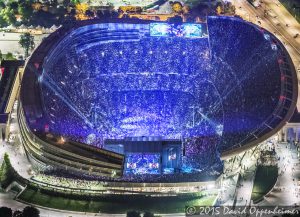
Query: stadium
(145, 101)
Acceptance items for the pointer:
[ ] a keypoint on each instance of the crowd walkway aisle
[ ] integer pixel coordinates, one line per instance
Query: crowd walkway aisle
(245, 186)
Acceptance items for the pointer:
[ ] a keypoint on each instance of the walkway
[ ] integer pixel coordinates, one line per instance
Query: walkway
(9, 42)
(286, 190)
(15, 151)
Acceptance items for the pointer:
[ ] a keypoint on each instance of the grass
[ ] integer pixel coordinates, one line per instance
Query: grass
(264, 181)
(8, 56)
(6, 172)
(115, 205)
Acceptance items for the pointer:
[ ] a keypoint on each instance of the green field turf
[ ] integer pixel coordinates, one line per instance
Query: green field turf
(264, 181)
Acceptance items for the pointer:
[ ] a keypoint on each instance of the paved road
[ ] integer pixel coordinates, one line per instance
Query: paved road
(275, 21)
(9, 42)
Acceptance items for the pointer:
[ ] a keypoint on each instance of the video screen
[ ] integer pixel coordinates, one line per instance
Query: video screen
(160, 29)
(188, 30)
(192, 30)
(140, 163)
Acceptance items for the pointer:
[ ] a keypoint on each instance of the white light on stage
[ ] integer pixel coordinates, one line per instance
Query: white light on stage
(102, 54)
(40, 79)
(274, 47)
(219, 129)
(91, 138)
(135, 51)
(267, 36)
(121, 52)
(150, 52)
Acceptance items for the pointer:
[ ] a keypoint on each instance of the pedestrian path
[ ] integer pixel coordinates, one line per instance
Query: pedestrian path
(286, 189)
(14, 149)
(245, 186)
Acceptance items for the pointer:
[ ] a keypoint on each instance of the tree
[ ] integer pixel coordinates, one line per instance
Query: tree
(81, 11)
(3, 22)
(27, 42)
(148, 214)
(133, 214)
(43, 18)
(13, 5)
(75, 2)
(66, 3)
(177, 7)
(9, 56)
(5, 212)
(229, 8)
(219, 10)
(89, 13)
(2, 173)
(18, 213)
(25, 10)
(8, 15)
(30, 211)
(2, 4)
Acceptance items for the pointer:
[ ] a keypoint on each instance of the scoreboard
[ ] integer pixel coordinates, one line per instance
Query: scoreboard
(187, 30)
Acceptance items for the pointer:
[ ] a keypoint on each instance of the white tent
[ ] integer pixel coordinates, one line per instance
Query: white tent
(22, 27)
(53, 27)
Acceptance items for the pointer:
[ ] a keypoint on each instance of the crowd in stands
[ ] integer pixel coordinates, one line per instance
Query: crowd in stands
(205, 175)
(212, 92)
(67, 182)
(251, 55)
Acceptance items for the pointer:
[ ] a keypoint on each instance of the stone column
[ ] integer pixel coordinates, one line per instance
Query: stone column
(285, 130)
(280, 136)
